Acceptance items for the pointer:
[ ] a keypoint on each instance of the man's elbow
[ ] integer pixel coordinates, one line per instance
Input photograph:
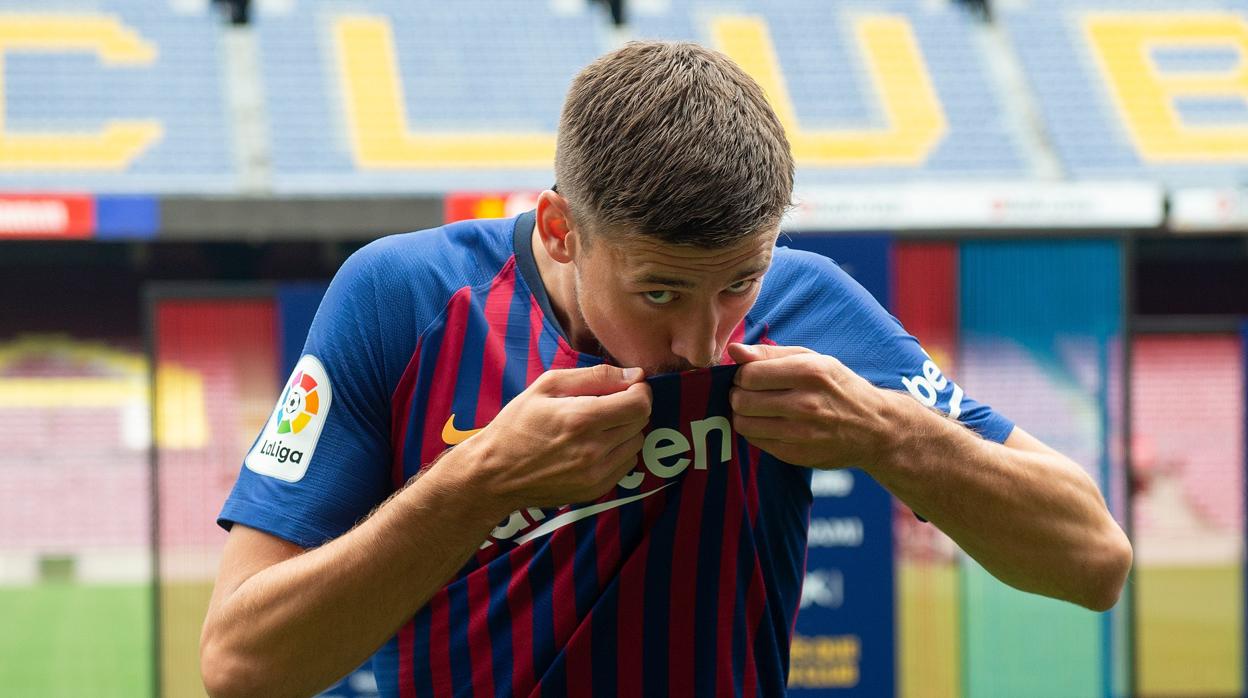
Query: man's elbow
(225, 673)
(1113, 563)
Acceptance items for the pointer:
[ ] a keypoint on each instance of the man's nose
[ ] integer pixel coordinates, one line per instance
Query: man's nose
(693, 339)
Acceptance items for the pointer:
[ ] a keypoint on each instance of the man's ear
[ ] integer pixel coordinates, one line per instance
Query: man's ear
(555, 227)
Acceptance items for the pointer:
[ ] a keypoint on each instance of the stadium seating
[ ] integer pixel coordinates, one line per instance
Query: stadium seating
(1112, 111)
(1188, 397)
(471, 68)
(74, 473)
(74, 476)
(475, 69)
(835, 87)
(426, 96)
(117, 95)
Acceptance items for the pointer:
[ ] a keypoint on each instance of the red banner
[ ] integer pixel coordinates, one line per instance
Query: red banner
(43, 216)
(460, 206)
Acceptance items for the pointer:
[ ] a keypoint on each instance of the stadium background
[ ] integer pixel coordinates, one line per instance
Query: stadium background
(1049, 195)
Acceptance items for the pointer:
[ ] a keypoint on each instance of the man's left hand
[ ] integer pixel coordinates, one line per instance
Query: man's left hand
(807, 408)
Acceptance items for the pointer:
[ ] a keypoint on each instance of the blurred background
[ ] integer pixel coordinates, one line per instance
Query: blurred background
(1051, 194)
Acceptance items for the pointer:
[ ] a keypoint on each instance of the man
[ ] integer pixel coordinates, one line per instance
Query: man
(353, 527)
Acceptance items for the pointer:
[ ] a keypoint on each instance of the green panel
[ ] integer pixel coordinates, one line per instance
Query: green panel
(1022, 645)
(69, 640)
(1039, 328)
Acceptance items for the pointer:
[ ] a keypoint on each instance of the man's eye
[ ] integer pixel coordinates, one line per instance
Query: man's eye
(741, 286)
(660, 297)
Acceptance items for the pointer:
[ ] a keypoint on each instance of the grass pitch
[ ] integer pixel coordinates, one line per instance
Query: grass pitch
(68, 639)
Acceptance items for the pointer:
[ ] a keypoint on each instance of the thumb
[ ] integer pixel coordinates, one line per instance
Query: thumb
(745, 353)
(591, 380)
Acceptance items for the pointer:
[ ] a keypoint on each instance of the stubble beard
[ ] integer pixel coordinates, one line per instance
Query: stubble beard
(594, 345)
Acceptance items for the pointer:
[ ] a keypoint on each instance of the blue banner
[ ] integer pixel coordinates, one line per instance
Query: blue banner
(126, 217)
(296, 306)
(845, 640)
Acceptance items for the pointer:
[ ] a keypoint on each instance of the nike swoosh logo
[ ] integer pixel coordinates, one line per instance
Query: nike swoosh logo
(453, 436)
(575, 515)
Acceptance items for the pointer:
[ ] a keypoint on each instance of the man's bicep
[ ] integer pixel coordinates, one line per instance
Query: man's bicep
(1024, 441)
(1021, 440)
(247, 552)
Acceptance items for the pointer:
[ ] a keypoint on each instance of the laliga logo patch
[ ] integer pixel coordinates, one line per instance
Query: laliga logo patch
(300, 403)
(290, 436)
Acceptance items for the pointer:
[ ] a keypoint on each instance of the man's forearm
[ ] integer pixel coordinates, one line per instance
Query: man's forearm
(297, 626)
(1032, 518)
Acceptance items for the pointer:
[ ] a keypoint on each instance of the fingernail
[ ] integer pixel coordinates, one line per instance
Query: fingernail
(632, 374)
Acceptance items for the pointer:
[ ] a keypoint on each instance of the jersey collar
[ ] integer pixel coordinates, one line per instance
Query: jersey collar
(522, 242)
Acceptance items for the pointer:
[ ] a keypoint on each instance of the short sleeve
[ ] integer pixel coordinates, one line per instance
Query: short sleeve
(321, 461)
(831, 313)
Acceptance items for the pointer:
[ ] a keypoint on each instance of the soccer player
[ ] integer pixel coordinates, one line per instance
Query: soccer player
(468, 477)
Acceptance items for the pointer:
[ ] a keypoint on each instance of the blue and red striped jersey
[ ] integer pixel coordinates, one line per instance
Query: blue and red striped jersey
(683, 580)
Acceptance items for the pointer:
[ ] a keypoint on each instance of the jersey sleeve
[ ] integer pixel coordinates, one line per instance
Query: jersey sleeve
(838, 317)
(322, 460)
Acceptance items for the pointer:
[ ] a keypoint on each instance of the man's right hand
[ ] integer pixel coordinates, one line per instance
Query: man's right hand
(569, 437)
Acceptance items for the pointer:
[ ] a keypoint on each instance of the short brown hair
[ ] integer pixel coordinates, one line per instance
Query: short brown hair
(672, 141)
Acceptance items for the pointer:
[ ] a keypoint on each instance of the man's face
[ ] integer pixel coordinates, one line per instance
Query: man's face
(667, 307)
